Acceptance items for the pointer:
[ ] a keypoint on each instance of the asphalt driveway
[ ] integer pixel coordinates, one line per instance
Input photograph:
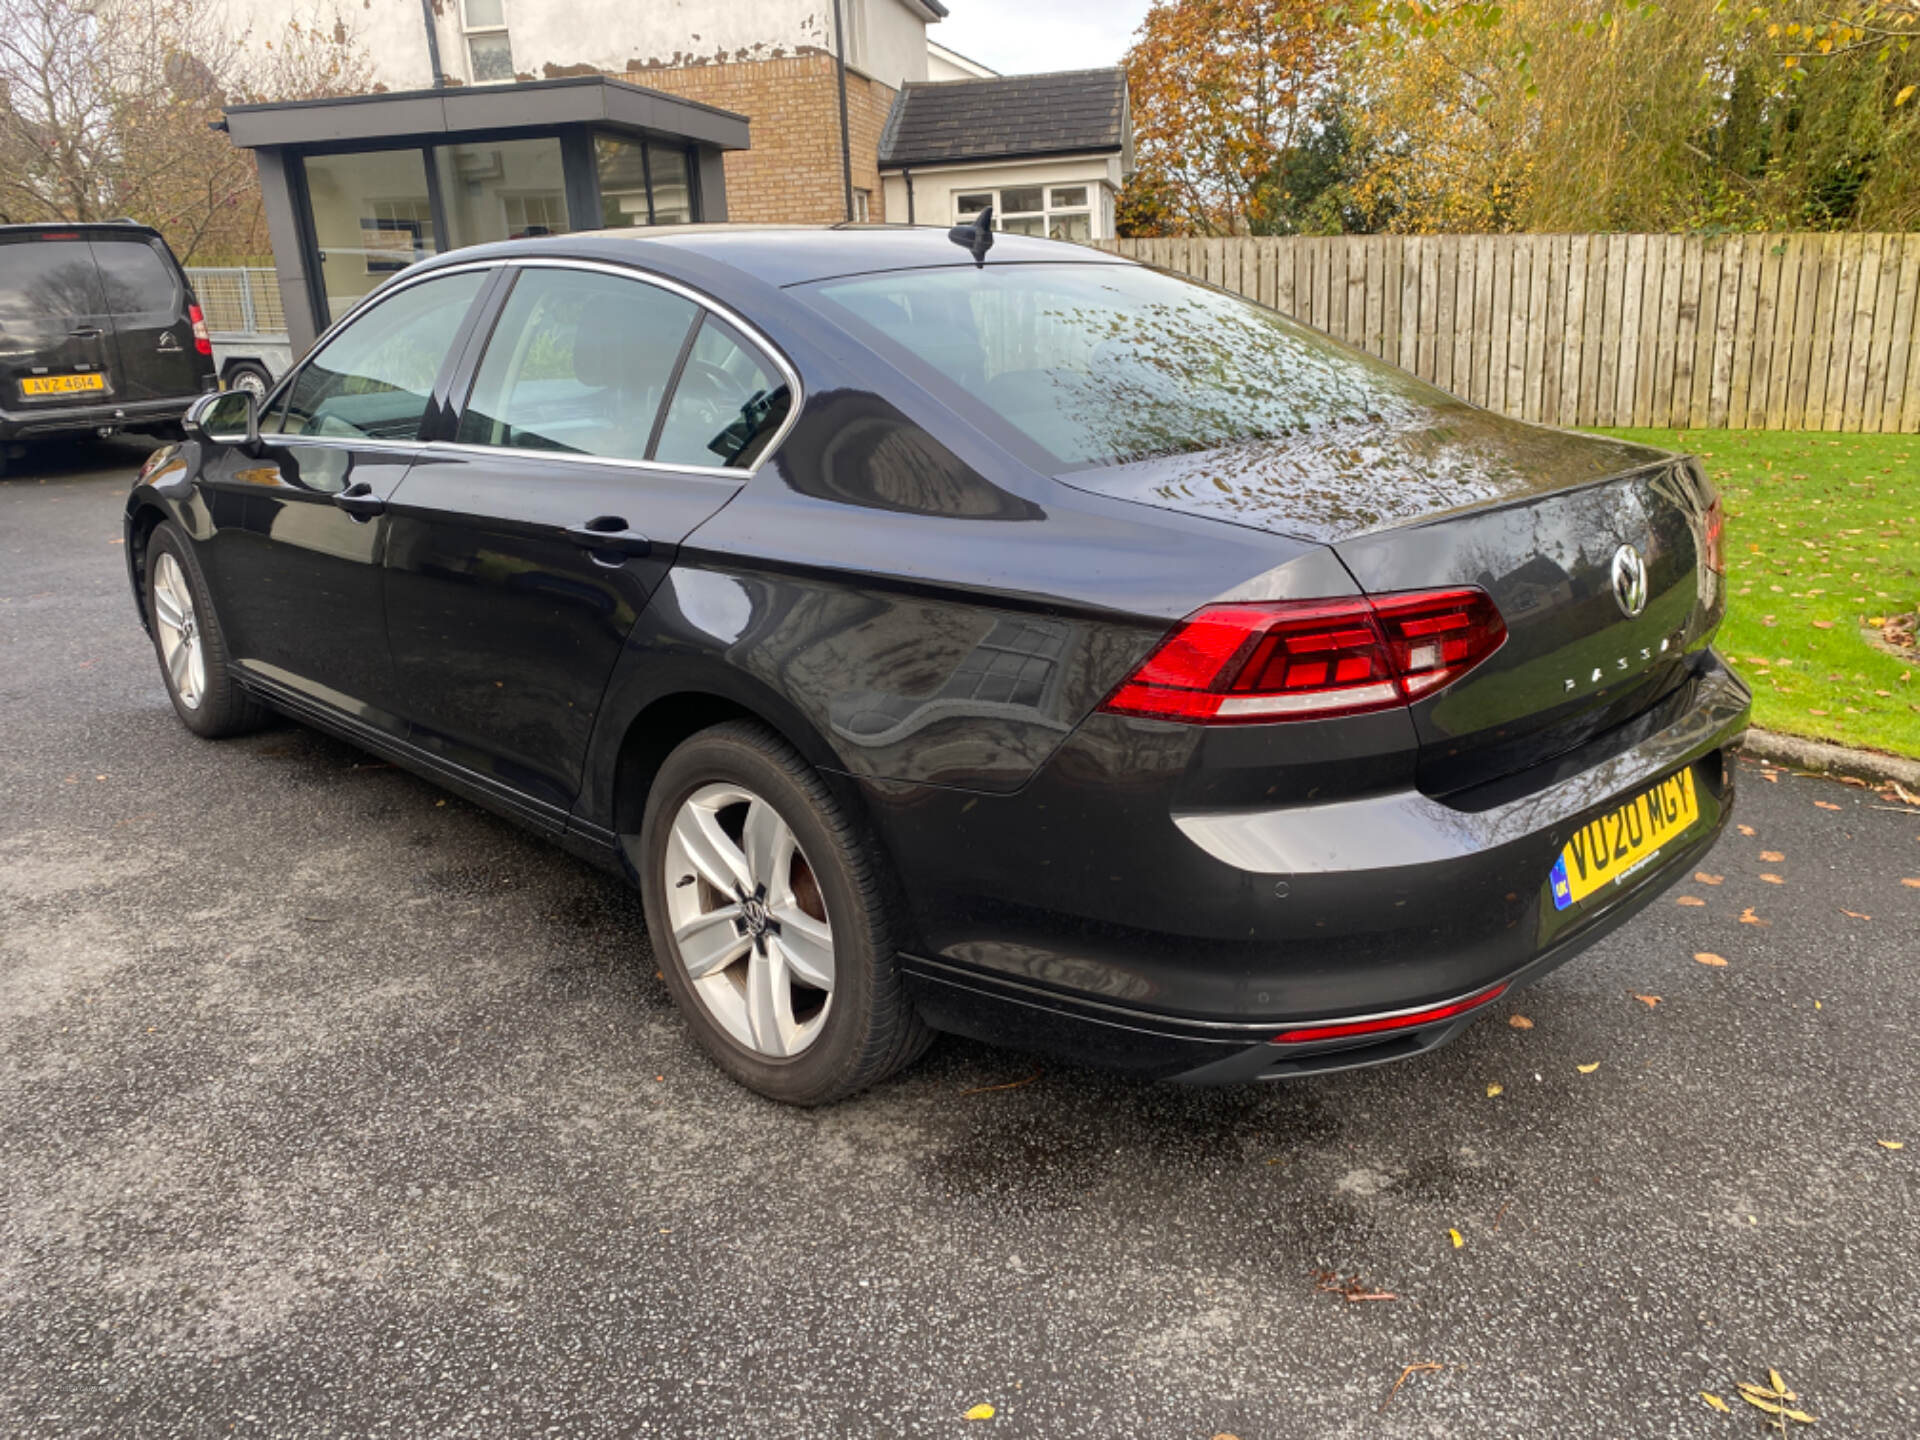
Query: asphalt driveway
(331, 1105)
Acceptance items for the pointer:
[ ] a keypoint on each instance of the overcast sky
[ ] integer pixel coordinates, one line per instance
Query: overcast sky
(1016, 36)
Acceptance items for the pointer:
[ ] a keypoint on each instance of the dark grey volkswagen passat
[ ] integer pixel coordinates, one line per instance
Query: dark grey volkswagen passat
(1042, 648)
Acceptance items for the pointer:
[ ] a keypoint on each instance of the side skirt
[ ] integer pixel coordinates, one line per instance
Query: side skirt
(588, 842)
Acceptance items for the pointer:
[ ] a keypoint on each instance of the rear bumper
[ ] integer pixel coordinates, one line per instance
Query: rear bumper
(1180, 948)
(73, 419)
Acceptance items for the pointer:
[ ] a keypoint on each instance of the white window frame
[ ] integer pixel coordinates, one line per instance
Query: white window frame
(862, 205)
(469, 30)
(1091, 209)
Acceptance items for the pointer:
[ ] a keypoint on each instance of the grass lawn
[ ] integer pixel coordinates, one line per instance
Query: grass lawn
(1823, 537)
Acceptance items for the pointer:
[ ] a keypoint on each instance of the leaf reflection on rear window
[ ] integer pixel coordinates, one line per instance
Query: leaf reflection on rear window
(1106, 364)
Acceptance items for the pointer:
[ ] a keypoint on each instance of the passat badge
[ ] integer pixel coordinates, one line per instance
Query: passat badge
(1629, 581)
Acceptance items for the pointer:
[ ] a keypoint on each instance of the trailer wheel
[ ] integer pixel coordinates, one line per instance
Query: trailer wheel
(249, 376)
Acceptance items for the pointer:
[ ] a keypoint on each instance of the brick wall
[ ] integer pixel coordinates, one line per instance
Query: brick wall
(792, 173)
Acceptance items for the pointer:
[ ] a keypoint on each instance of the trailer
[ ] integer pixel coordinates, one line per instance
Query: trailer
(251, 347)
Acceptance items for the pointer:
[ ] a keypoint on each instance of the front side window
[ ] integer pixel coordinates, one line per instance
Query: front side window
(728, 403)
(373, 379)
(577, 364)
(1106, 364)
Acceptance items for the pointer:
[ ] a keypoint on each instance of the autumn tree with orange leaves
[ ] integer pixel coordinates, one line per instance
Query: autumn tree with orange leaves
(1225, 93)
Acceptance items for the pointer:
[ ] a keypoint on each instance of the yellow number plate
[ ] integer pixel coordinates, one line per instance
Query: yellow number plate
(1606, 851)
(62, 384)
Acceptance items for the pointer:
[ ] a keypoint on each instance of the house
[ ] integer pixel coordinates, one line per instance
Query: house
(1048, 152)
(816, 78)
(945, 64)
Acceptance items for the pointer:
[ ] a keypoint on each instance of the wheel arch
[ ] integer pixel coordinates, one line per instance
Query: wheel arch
(142, 520)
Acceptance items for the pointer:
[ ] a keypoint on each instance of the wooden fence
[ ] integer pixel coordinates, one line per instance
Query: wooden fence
(1763, 332)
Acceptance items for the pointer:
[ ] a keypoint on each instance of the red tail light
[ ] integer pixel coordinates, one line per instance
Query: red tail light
(1714, 552)
(1406, 1020)
(202, 341)
(1308, 659)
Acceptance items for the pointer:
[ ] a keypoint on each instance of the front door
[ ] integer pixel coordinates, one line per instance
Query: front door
(153, 335)
(524, 549)
(300, 531)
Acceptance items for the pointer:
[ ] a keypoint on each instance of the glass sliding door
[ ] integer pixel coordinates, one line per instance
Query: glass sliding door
(501, 190)
(643, 184)
(372, 217)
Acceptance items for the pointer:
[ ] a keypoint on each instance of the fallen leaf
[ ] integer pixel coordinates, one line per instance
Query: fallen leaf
(1766, 1405)
(1519, 1022)
(1779, 1385)
(1856, 915)
(1823, 624)
(1826, 805)
(1772, 855)
(1457, 1238)
(1707, 957)
(981, 1411)
(1706, 879)
(1009, 1085)
(1912, 882)
(1496, 1089)
(1648, 1000)
(1801, 1416)
(1688, 900)
(1716, 1402)
(1409, 1370)
(1747, 917)
(1746, 830)
(1588, 1069)
(1773, 879)
(1891, 1144)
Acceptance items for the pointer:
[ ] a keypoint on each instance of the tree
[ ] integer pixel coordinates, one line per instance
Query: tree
(1222, 92)
(106, 110)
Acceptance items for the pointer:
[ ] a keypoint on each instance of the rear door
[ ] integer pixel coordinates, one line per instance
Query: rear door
(526, 544)
(55, 335)
(146, 295)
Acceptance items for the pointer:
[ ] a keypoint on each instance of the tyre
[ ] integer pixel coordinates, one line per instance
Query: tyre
(245, 375)
(771, 922)
(187, 638)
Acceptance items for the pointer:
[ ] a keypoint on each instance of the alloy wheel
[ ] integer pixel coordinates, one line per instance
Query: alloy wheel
(748, 920)
(182, 649)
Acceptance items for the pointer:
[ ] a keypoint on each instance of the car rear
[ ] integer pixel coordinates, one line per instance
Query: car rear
(1325, 814)
(99, 329)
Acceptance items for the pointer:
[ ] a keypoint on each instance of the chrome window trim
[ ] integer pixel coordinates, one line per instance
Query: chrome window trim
(753, 334)
(393, 287)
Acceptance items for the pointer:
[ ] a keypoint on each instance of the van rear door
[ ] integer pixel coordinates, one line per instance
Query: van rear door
(158, 358)
(55, 335)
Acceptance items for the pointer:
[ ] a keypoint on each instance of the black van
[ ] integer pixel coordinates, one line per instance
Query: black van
(98, 330)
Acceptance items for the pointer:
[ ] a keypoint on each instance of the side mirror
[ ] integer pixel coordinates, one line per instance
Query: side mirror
(229, 417)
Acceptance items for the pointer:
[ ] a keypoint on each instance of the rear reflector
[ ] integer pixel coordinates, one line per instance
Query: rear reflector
(1342, 1029)
(202, 341)
(1715, 550)
(1309, 659)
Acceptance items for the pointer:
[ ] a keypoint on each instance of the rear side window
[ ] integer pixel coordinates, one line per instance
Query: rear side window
(47, 280)
(135, 277)
(578, 363)
(727, 404)
(373, 379)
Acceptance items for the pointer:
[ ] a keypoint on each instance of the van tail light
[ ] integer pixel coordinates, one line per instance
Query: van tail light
(1714, 552)
(1309, 659)
(202, 341)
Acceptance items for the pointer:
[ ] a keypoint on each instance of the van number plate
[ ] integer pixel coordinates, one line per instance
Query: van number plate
(62, 384)
(1609, 850)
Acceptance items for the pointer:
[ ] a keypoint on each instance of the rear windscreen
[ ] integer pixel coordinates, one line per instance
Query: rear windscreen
(47, 279)
(1104, 364)
(135, 277)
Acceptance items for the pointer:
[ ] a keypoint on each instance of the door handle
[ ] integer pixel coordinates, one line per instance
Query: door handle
(609, 532)
(359, 501)
(86, 332)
